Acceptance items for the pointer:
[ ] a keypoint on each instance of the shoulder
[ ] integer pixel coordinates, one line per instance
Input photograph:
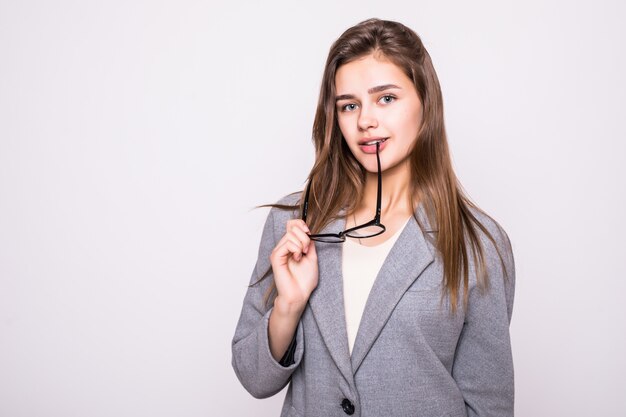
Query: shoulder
(498, 253)
(290, 199)
(275, 226)
(499, 259)
(490, 225)
(286, 208)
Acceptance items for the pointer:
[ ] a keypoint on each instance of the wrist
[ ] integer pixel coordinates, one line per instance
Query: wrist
(288, 308)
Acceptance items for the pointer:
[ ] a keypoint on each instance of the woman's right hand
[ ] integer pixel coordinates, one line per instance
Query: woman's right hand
(294, 263)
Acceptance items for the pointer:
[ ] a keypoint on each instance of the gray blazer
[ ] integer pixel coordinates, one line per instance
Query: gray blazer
(411, 356)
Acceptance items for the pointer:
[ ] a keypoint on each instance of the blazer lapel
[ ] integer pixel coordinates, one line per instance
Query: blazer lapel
(409, 256)
(326, 300)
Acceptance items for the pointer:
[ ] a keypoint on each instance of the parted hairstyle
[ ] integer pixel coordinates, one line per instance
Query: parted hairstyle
(340, 178)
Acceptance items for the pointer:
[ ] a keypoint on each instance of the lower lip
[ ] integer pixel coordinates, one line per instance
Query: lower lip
(372, 148)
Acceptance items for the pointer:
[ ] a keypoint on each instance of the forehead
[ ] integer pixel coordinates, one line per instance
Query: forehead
(366, 72)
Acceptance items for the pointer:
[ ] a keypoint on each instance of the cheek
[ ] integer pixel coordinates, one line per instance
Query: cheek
(344, 126)
(348, 133)
(408, 123)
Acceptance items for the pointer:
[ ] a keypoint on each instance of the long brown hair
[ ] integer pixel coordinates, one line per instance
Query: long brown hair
(340, 179)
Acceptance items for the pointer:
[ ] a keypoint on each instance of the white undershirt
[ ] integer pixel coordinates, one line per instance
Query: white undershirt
(360, 267)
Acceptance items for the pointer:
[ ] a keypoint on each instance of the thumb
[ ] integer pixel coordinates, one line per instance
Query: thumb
(311, 253)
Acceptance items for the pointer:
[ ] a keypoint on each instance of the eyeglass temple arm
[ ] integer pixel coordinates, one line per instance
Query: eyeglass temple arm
(305, 207)
(380, 187)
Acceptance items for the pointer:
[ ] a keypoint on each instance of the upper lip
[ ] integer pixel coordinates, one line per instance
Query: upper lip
(365, 140)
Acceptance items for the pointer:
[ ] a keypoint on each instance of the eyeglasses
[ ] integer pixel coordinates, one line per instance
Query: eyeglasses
(363, 231)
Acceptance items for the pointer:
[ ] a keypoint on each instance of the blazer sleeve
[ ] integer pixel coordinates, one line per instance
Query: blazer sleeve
(255, 367)
(483, 364)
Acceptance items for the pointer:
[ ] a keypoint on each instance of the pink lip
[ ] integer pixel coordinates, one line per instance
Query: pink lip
(372, 148)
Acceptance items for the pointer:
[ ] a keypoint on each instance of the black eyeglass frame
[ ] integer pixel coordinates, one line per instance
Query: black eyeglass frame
(341, 236)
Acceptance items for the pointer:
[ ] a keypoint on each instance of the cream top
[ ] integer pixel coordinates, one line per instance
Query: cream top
(360, 267)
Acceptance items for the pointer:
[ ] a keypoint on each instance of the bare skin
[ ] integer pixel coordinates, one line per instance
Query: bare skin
(294, 262)
(375, 99)
(395, 204)
(367, 110)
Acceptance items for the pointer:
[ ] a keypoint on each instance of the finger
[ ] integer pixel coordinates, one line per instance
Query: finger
(279, 254)
(287, 236)
(298, 222)
(311, 251)
(282, 251)
(294, 224)
(297, 243)
(289, 244)
(296, 251)
(300, 234)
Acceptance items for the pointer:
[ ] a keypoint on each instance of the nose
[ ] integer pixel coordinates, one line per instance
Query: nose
(367, 119)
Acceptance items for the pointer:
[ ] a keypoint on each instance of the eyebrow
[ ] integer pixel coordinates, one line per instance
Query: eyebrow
(372, 90)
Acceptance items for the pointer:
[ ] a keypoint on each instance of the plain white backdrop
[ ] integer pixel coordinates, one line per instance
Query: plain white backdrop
(137, 136)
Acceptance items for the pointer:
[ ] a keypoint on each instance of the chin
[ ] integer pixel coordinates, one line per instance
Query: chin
(369, 164)
(372, 168)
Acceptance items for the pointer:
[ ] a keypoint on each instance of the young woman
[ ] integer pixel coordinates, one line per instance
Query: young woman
(380, 290)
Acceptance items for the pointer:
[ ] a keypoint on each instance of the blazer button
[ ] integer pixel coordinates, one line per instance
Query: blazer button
(347, 406)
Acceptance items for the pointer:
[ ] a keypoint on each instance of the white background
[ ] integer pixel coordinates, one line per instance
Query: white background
(137, 136)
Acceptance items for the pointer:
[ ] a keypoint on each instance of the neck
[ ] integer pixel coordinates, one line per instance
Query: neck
(395, 191)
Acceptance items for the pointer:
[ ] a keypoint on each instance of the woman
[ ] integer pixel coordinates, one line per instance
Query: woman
(381, 290)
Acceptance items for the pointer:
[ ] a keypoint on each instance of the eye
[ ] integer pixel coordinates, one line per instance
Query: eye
(387, 98)
(347, 107)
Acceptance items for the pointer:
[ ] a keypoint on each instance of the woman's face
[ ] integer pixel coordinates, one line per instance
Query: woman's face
(376, 100)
